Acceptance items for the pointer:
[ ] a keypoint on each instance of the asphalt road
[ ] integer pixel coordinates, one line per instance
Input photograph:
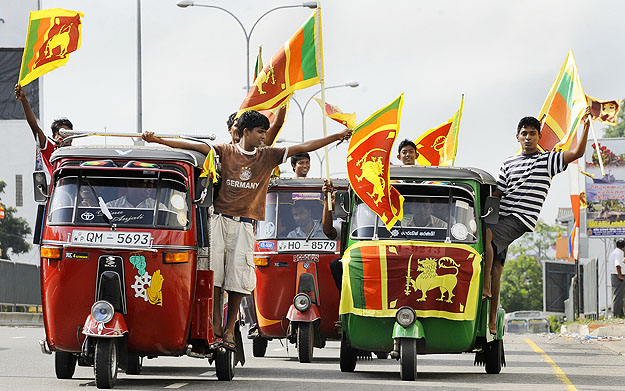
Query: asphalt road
(534, 362)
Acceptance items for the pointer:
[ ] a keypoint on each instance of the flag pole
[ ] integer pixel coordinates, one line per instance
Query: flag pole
(594, 137)
(323, 100)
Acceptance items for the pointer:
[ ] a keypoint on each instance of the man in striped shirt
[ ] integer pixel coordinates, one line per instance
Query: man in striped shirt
(522, 186)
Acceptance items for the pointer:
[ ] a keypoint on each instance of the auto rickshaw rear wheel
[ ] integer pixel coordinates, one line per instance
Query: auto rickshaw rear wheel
(64, 365)
(347, 356)
(305, 342)
(135, 364)
(494, 356)
(224, 365)
(408, 358)
(105, 363)
(259, 347)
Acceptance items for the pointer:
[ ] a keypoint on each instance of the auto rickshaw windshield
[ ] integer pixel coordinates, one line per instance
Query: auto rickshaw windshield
(431, 213)
(130, 198)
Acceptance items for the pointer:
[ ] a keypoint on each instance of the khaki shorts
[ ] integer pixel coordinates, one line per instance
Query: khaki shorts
(232, 255)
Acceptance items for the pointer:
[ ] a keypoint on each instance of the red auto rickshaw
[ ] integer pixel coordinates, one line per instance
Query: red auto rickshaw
(125, 261)
(296, 296)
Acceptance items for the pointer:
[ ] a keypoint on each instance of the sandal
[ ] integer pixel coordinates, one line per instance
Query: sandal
(229, 345)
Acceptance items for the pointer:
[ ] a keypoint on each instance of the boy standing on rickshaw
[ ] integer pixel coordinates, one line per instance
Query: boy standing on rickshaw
(523, 183)
(245, 174)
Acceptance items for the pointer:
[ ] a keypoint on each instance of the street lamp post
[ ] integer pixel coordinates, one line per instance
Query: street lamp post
(192, 3)
(302, 111)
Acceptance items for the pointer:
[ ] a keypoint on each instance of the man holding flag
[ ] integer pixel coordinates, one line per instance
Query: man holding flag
(522, 186)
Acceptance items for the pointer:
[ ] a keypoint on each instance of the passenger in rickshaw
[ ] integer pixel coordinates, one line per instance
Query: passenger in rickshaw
(142, 196)
(332, 229)
(307, 227)
(419, 212)
(87, 198)
(407, 153)
(245, 172)
(301, 164)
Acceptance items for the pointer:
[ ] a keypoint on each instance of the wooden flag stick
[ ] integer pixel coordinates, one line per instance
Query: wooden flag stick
(323, 101)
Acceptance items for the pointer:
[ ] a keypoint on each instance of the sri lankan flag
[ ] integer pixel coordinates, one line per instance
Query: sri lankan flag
(52, 35)
(450, 146)
(430, 144)
(368, 160)
(259, 62)
(439, 280)
(296, 65)
(563, 109)
(605, 111)
(208, 169)
(347, 119)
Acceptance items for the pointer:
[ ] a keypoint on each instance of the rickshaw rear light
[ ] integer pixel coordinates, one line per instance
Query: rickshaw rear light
(261, 261)
(302, 302)
(176, 257)
(51, 252)
(405, 316)
(102, 311)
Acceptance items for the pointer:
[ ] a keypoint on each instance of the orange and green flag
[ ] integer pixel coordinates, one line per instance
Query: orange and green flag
(368, 162)
(450, 146)
(52, 35)
(296, 65)
(347, 119)
(259, 62)
(563, 109)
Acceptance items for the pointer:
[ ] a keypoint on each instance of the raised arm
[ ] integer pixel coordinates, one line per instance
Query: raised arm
(182, 144)
(275, 127)
(571, 156)
(326, 218)
(20, 95)
(312, 145)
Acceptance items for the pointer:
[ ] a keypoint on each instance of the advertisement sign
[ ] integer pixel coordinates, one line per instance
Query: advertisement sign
(605, 195)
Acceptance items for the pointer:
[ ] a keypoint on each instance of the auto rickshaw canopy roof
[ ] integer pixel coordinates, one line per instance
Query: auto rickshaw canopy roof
(130, 152)
(306, 182)
(442, 173)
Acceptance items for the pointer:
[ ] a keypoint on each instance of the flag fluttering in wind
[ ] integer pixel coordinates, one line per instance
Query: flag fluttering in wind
(52, 35)
(450, 146)
(295, 66)
(605, 111)
(347, 119)
(208, 169)
(563, 109)
(368, 162)
(259, 62)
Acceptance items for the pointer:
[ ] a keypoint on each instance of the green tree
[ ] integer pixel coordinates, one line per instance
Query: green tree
(13, 231)
(522, 278)
(617, 130)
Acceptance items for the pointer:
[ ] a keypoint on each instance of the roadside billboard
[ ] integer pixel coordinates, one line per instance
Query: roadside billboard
(605, 195)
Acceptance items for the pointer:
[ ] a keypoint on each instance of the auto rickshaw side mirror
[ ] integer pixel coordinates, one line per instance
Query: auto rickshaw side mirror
(491, 210)
(40, 185)
(341, 203)
(203, 192)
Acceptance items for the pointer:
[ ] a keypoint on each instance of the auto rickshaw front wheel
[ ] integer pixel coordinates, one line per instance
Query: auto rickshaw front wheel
(105, 363)
(305, 342)
(224, 365)
(259, 347)
(64, 365)
(348, 355)
(135, 364)
(408, 358)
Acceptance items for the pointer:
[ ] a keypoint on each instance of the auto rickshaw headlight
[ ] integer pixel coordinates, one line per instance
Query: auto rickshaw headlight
(405, 316)
(102, 311)
(302, 302)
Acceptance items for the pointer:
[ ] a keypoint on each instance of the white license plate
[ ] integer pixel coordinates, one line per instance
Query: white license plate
(112, 238)
(311, 245)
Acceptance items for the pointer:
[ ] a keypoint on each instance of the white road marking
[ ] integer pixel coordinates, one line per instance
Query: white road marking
(177, 385)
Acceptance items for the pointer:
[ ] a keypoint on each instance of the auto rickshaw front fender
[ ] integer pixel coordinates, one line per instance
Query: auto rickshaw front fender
(310, 315)
(413, 331)
(115, 328)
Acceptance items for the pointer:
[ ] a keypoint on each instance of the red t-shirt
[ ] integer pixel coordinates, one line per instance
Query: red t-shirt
(245, 178)
(46, 153)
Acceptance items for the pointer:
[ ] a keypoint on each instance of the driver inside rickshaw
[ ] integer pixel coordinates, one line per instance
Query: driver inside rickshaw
(138, 194)
(87, 198)
(306, 226)
(420, 212)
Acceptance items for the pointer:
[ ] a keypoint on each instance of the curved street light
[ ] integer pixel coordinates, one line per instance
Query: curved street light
(192, 3)
(302, 111)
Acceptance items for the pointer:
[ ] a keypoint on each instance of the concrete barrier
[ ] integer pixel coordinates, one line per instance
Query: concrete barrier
(594, 329)
(20, 319)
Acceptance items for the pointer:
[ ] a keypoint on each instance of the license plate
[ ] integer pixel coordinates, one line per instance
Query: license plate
(112, 238)
(311, 245)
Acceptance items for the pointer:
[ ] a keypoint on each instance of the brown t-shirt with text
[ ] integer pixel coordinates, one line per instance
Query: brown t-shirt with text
(245, 178)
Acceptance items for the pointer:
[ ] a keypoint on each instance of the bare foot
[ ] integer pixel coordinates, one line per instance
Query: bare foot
(218, 332)
(493, 328)
(486, 294)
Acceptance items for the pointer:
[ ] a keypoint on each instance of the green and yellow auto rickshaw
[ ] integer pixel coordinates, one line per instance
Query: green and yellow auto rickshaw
(416, 288)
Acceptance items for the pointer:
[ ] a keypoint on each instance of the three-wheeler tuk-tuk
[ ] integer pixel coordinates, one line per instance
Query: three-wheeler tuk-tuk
(125, 261)
(416, 289)
(296, 296)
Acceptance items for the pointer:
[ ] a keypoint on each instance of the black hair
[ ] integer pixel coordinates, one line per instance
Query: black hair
(620, 243)
(57, 123)
(231, 120)
(528, 122)
(250, 120)
(406, 143)
(298, 157)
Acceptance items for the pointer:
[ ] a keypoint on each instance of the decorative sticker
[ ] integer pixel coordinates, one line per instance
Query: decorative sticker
(138, 262)
(141, 284)
(266, 245)
(72, 255)
(177, 201)
(270, 228)
(306, 196)
(155, 296)
(146, 286)
(182, 218)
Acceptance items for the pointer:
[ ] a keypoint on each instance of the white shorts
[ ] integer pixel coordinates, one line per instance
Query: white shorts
(232, 254)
